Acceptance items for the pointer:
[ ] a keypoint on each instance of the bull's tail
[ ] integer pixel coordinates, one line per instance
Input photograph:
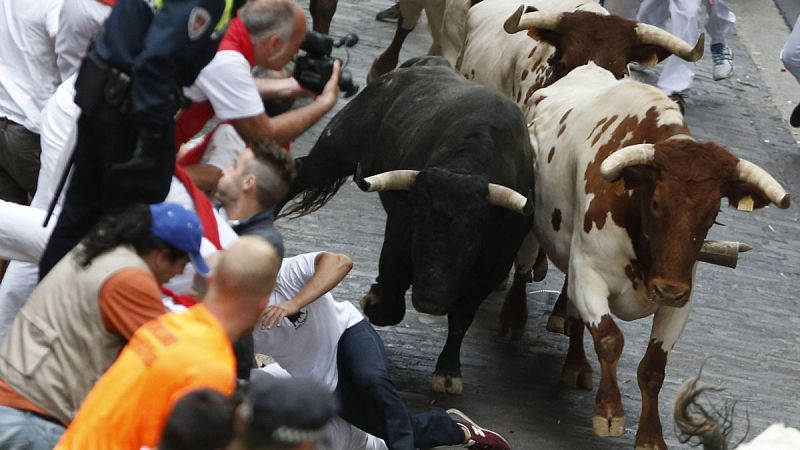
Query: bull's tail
(314, 185)
(705, 425)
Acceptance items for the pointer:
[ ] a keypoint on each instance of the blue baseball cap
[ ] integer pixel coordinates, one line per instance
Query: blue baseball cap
(180, 228)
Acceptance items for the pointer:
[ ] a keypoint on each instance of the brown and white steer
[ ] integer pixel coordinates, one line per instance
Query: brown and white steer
(447, 21)
(624, 199)
(561, 36)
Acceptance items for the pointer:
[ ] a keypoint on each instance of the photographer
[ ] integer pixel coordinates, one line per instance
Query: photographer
(266, 33)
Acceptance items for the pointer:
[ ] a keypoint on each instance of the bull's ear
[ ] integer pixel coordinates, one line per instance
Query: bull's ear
(745, 197)
(638, 176)
(648, 55)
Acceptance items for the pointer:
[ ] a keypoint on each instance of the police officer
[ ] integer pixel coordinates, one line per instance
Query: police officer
(129, 88)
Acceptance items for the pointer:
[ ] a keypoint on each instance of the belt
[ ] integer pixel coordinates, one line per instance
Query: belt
(7, 121)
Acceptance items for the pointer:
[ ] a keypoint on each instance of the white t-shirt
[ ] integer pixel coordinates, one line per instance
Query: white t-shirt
(307, 347)
(79, 21)
(228, 84)
(28, 72)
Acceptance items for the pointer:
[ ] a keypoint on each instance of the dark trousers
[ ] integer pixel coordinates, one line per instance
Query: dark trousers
(370, 400)
(19, 162)
(105, 138)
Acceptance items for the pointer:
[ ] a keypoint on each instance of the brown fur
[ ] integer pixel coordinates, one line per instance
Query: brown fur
(651, 378)
(675, 201)
(608, 343)
(609, 41)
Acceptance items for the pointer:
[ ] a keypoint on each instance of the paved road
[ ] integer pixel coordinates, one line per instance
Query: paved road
(746, 322)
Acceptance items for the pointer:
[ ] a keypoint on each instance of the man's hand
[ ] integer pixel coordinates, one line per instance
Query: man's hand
(274, 314)
(330, 93)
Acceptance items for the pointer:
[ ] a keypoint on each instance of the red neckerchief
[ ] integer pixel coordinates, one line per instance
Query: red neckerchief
(238, 39)
(202, 205)
(108, 2)
(180, 299)
(195, 155)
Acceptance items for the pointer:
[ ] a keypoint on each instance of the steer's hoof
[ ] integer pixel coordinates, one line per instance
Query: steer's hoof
(557, 324)
(517, 333)
(608, 426)
(447, 384)
(577, 378)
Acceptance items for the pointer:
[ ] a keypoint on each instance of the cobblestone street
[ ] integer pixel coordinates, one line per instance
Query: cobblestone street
(745, 324)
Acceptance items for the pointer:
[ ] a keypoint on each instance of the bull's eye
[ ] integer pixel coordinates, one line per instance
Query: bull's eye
(654, 205)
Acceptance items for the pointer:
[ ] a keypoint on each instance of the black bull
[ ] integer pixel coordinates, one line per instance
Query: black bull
(442, 234)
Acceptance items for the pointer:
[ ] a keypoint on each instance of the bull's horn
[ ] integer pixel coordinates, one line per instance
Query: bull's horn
(632, 155)
(394, 180)
(508, 198)
(758, 177)
(537, 19)
(649, 34)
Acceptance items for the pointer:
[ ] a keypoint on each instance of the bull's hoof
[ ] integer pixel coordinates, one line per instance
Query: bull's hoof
(577, 378)
(608, 426)
(447, 384)
(379, 312)
(557, 324)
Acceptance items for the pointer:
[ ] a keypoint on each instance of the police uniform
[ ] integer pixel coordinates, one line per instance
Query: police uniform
(128, 89)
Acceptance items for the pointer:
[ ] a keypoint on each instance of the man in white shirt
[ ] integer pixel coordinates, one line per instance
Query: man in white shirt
(28, 77)
(312, 336)
(267, 33)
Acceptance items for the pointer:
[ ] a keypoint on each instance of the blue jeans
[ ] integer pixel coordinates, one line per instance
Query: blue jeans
(23, 430)
(370, 400)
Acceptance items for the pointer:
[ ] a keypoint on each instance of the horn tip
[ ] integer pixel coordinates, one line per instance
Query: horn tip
(358, 177)
(785, 202)
(527, 210)
(699, 48)
(511, 24)
(744, 247)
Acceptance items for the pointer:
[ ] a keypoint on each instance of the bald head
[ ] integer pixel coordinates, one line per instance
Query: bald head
(247, 269)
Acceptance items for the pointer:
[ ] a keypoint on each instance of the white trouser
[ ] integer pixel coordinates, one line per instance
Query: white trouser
(719, 24)
(78, 22)
(22, 237)
(624, 8)
(678, 74)
(790, 55)
(720, 21)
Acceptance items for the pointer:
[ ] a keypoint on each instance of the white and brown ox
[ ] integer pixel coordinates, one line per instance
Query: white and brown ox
(561, 35)
(624, 199)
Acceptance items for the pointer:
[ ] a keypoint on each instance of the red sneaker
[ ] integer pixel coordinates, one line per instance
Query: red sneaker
(480, 438)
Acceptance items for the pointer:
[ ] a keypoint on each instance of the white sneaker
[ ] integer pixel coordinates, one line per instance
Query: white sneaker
(723, 61)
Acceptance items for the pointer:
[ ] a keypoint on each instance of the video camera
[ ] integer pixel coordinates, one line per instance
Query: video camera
(315, 68)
